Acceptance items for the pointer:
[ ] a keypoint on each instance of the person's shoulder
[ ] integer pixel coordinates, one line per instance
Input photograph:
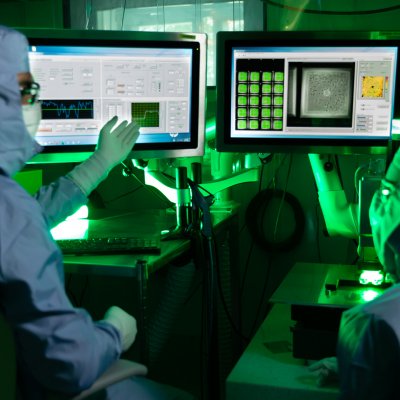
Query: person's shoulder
(383, 308)
(13, 196)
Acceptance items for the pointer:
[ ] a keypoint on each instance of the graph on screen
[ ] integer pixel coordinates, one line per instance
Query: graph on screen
(67, 109)
(146, 115)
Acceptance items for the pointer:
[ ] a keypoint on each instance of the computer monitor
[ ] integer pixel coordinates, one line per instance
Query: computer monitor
(86, 77)
(305, 92)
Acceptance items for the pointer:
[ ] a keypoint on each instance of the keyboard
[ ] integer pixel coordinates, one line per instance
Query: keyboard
(111, 245)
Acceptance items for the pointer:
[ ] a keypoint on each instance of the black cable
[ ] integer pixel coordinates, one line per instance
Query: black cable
(256, 214)
(246, 267)
(224, 304)
(263, 292)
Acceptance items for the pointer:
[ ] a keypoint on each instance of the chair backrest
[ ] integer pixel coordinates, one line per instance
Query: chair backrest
(8, 380)
(122, 369)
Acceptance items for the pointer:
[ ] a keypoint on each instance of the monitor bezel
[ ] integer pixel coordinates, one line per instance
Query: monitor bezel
(195, 41)
(228, 40)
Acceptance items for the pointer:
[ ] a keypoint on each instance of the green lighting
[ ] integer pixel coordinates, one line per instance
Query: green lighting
(210, 126)
(71, 229)
(74, 227)
(374, 277)
(83, 212)
(370, 294)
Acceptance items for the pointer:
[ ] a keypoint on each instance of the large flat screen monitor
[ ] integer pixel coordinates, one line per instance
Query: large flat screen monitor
(86, 77)
(305, 92)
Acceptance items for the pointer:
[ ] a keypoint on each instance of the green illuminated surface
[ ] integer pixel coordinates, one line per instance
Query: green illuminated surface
(266, 124)
(242, 112)
(254, 112)
(242, 100)
(242, 76)
(266, 88)
(266, 76)
(74, 227)
(266, 100)
(253, 124)
(374, 277)
(254, 76)
(265, 112)
(254, 88)
(241, 124)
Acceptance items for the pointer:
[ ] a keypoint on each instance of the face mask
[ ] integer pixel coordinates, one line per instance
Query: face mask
(32, 114)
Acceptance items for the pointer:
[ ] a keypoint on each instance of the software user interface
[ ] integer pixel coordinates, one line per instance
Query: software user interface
(312, 92)
(83, 87)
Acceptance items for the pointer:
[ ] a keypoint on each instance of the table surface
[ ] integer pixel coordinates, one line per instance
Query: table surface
(305, 285)
(267, 369)
(134, 223)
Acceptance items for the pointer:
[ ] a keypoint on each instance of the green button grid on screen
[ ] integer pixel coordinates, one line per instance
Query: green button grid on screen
(241, 124)
(242, 112)
(254, 88)
(278, 76)
(254, 76)
(278, 112)
(265, 124)
(278, 100)
(254, 100)
(266, 100)
(278, 88)
(265, 112)
(242, 76)
(266, 76)
(278, 124)
(242, 100)
(242, 88)
(266, 88)
(253, 124)
(254, 112)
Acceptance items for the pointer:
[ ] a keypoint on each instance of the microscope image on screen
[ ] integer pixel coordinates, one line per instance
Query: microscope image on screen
(321, 94)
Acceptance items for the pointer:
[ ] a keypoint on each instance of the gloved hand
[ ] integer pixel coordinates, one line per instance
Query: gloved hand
(326, 369)
(393, 172)
(113, 147)
(124, 322)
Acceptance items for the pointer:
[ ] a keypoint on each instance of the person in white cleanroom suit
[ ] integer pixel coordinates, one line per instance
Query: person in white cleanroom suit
(59, 347)
(368, 350)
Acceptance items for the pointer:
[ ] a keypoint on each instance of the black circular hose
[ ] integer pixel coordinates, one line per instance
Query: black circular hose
(257, 216)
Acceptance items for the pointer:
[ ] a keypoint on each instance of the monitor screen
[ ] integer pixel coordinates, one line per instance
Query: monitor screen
(290, 91)
(87, 77)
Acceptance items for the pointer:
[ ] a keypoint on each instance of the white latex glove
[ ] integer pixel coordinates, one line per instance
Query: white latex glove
(393, 172)
(326, 369)
(113, 146)
(124, 322)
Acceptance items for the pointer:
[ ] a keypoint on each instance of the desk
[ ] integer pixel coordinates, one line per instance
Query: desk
(140, 266)
(268, 368)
